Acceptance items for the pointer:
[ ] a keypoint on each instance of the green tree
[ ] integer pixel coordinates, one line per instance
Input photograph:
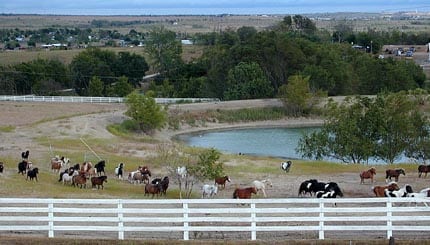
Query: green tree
(247, 81)
(95, 87)
(206, 167)
(297, 96)
(164, 50)
(121, 88)
(144, 110)
(384, 127)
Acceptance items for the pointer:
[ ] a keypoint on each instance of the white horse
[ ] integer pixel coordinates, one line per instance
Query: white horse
(261, 185)
(209, 190)
(68, 178)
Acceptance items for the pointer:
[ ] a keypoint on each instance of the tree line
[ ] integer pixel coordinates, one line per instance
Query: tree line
(235, 64)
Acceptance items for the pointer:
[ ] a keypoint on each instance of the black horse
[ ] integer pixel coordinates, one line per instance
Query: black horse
(100, 167)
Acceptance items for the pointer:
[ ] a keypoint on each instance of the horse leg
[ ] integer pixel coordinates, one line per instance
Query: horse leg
(264, 192)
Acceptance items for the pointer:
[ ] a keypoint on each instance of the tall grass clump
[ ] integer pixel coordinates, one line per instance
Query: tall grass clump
(250, 114)
(7, 129)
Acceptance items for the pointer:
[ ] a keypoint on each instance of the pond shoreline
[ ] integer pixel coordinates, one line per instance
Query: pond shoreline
(172, 135)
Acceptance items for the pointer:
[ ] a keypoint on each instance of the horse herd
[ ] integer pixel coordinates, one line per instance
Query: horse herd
(79, 174)
(392, 189)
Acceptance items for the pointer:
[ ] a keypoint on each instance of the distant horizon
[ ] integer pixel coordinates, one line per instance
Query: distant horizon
(197, 7)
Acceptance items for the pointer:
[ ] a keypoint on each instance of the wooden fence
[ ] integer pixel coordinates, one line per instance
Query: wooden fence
(289, 218)
(80, 99)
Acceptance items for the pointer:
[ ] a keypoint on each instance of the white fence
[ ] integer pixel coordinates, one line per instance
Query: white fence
(291, 218)
(79, 99)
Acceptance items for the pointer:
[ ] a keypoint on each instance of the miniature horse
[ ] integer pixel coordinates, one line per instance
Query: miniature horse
(98, 181)
(100, 167)
(380, 190)
(32, 174)
(244, 193)
(423, 169)
(368, 174)
(394, 173)
(221, 181)
(153, 189)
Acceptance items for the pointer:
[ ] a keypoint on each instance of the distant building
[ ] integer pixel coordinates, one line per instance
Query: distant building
(186, 42)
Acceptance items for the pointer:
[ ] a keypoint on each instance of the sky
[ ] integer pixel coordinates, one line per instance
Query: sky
(206, 7)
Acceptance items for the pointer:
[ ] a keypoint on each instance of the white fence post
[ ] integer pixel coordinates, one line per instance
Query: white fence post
(186, 228)
(253, 223)
(120, 221)
(321, 223)
(51, 219)
(389, 219)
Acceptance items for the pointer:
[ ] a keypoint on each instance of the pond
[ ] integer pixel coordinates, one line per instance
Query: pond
(273, 142)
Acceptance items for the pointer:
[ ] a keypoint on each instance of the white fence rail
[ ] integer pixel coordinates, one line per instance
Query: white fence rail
(79, 99)
(308, 218)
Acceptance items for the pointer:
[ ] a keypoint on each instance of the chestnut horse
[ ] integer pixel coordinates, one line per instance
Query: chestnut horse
(221, 181)
(368, 174)
(244, 193)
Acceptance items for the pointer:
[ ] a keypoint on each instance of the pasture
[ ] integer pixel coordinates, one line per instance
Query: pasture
(61, 135)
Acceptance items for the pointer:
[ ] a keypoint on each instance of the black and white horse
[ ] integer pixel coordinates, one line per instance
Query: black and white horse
(402, 192)
(119, 171)
(286, 166)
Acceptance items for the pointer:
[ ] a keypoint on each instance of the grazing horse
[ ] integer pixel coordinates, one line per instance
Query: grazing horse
(367, 174)
(153, 189)
(98, 181)
(32, 174)
(394, 173)
(244, 193)
(261, 185)
(209, 190)
(100, 167)
(23, 166)
(380, 190)
(79, 179)
(119, 171)
(221, 181)
(286, 166)
(423, 169)
(305, 187)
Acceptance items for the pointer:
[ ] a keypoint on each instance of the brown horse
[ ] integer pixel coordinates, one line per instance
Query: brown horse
(368, 174)
(423, 169)
(80, 179)
(153, 189)
(98, 181)
(394, 173)
(221, 181)
(244, 193)
(380, 190)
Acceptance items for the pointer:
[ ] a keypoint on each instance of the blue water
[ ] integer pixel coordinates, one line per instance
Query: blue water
(274, 142)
